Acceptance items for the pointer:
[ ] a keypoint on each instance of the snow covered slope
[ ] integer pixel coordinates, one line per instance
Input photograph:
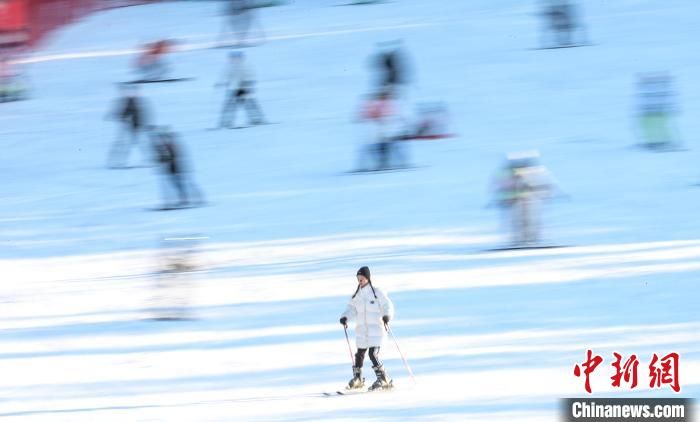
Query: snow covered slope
(490, 335)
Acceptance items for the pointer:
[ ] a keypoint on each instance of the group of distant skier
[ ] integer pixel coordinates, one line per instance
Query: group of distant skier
(152, 66)
(165, 150)
(385, 110)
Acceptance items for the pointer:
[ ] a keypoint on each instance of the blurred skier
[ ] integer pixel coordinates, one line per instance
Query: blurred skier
(520, 187)
(561, 19)
(170, 155)
(132, 116)
(151, 64)
(12, 84)
(239, 83)
(657, 109)
(239, 18)
(7, 77)
(372, 310)
(391, 64)
(173, 286)
(383, 113)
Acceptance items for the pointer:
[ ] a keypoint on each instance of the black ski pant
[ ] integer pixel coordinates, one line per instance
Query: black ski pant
(373, 356)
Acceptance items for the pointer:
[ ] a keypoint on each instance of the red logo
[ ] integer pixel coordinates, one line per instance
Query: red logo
(663, 371)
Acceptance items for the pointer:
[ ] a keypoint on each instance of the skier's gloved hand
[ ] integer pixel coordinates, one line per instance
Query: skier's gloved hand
(386, 319)
(344, 321)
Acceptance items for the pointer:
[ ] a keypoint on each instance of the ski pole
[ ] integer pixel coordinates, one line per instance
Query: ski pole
(345, 327)
(408, 368)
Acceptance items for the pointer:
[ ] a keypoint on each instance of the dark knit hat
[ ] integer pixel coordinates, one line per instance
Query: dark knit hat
(365, 272)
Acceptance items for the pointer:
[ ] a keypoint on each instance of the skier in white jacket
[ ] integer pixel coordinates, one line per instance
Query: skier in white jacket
(239, 81)
(372, 310)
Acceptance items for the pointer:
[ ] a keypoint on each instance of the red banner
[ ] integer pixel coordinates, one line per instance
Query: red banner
(13, 15)
(27, 22)
(13, 22)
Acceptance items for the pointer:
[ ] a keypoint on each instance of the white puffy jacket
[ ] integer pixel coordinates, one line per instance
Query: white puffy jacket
(367, 311)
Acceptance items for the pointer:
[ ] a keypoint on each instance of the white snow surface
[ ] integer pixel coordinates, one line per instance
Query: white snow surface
(491, 336)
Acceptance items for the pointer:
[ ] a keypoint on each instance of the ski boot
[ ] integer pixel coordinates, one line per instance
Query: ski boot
(382, 382)
(357, 381)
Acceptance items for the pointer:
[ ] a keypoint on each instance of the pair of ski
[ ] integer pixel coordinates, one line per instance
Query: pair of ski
(352, 391)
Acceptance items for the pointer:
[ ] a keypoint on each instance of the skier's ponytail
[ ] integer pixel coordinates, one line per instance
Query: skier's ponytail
(370, 285)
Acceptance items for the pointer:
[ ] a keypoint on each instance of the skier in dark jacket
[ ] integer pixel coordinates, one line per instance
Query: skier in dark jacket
(170, 156)
(562, 20)
(131, 113)
(392, 67)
